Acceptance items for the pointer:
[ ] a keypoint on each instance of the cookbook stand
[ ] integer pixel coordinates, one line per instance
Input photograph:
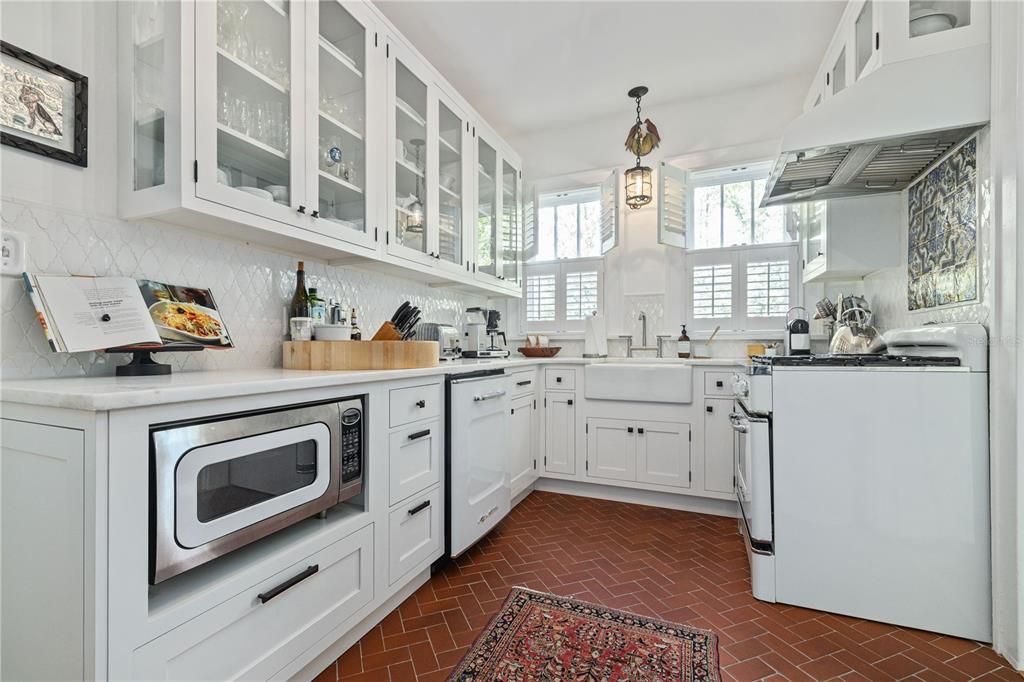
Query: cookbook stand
(142, 363)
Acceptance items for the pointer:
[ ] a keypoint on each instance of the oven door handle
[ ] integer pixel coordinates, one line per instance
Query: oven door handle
(736, 421)
(264, 597)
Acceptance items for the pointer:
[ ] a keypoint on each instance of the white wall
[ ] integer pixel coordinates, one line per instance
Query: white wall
(70, 217)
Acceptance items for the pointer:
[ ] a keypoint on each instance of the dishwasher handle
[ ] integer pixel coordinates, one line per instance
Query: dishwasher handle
(479, 398)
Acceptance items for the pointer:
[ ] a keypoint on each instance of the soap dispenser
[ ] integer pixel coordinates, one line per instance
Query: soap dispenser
(683, 344)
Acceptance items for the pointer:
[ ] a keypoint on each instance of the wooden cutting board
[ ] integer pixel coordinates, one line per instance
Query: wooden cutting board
(340, 355)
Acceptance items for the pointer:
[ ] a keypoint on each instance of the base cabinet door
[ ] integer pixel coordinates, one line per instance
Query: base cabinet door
(718, 446)
(523, 458)
(257, 632)
(416, 533)
(663, 454)
(560, 433)
(611, 449)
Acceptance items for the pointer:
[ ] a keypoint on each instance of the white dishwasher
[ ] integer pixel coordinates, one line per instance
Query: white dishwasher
(479, 492)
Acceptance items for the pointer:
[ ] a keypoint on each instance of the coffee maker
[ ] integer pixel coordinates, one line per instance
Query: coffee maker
(481, 331)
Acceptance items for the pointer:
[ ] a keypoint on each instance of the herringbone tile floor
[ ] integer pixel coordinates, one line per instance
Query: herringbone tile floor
(681, 567)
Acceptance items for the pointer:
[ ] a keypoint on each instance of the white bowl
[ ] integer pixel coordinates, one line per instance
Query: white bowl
(257, 192)
(279, 192)
(924, 21)
(222, 177)
(332, 332)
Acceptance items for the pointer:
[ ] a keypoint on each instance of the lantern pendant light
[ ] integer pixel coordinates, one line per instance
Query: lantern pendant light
(416, 217)
(639, 184)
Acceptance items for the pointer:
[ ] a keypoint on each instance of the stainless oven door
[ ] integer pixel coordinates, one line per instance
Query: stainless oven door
(221, 484)
(754, 474)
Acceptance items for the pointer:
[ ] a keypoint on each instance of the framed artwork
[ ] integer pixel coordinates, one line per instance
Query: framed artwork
(43, 106)
(942, 253)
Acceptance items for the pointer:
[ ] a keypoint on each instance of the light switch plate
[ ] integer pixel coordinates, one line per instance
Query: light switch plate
(13, 250)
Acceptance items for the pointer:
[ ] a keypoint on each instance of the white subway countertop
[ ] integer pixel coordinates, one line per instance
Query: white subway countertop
(98, 394)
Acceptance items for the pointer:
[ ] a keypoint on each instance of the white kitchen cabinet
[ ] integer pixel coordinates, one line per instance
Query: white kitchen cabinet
(718, 446)
(523, 437)
(256, 632)
(560, 433)
(278, 122)
(639, 451)
(663, 454)
(873, 33)
(611, 449)
(848, 238)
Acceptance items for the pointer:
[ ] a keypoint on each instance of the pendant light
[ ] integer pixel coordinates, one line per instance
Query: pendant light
(639, 184)
(415, 223)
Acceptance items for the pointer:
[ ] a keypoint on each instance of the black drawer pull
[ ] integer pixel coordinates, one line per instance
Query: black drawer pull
(421, 404)
(419, 434)
(524, 383)
(264, 597)
(419, 507)
(719, 384)
(558, 380)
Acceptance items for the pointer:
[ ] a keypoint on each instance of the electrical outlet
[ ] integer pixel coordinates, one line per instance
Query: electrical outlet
(13, 247)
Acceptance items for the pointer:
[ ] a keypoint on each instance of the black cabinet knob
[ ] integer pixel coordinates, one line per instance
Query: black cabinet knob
(719, 384)
(421, 403)
(558, 380)
(302, 209)
(640, 430)
(315, 214)
(709, 408)
(629, 429)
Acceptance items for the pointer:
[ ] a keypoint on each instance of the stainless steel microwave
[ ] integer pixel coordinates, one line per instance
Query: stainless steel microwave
(219, 484)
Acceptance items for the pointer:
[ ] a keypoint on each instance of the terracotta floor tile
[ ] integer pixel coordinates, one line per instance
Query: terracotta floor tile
(678, 566)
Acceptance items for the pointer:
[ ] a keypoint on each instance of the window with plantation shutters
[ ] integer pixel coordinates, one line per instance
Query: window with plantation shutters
(559, 296)
(540, 298)
(580, 294)
(712, 291)
(767, 288)
(741, 289)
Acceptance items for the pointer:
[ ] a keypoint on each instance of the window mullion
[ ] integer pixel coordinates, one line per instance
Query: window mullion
(753, 216)
(578, 242)
(721, 216)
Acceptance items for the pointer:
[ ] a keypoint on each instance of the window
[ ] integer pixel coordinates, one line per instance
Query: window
(743, 288)
(559, 296)
(569, 225)
(726, 212)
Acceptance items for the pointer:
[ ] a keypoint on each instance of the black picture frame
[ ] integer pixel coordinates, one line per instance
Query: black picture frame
(78, 155)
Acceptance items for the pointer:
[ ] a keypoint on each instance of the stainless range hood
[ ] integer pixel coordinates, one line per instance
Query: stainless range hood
(882, 132)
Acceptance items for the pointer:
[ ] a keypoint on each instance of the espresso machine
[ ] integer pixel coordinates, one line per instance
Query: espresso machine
(481, 332)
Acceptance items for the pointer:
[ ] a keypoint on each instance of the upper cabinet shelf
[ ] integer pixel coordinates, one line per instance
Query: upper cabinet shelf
(311, 127)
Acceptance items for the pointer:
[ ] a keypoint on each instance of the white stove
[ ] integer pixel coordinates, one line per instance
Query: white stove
(864, 480)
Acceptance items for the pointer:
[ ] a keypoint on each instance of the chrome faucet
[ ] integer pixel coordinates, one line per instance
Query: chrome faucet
(643, 339)
(643, 328)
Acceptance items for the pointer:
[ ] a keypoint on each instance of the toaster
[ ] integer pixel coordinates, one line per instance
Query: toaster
(447, 337)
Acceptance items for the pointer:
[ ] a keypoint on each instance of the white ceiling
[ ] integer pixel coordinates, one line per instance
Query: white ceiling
(527, 66)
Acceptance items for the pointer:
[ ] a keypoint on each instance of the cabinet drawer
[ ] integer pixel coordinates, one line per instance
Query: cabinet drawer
(560, 379)
(416, 533)
(523, 383)
(414, 460)
(249, 637)
(414, 403)
(718, 383)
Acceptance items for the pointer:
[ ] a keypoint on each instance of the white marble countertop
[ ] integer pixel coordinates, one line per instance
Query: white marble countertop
(97, 394)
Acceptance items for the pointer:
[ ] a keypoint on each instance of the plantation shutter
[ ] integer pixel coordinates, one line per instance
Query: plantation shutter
(610, 212)
(712, 291)
(672, 208)
(581, 294)
(530, 208)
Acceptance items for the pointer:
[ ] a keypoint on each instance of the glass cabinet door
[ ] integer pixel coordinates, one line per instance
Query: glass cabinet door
(451, 188)
(248, 91)
(510, 222)
(487, 209)
(149, 38)
(409, 170)
(865, 44)
(343, 55)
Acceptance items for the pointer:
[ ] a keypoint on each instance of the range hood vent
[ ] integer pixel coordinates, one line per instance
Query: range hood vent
(884, 131)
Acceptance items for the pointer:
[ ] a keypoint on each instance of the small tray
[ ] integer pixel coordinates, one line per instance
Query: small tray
(539, 351)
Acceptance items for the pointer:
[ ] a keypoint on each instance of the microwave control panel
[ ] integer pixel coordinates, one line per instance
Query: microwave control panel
(351, 444)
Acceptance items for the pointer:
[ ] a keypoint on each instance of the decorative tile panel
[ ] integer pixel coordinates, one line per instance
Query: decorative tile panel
(252, 286)
(942, 243)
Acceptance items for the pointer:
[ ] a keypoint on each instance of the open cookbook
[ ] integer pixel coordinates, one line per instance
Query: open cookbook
(99, 313)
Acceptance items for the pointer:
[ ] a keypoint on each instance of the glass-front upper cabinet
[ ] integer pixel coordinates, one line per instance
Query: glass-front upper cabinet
(149, 98)
(407, 177)
(248, 92)
(810, 220)
(511, 222)
(487, 208)
(451, 163)
(915, 28)
(340, 170)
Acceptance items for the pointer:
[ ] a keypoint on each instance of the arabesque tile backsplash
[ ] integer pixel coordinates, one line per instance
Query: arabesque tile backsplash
(251, 285)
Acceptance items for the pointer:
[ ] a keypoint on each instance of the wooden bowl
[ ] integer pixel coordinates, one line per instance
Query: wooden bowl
(540, 351)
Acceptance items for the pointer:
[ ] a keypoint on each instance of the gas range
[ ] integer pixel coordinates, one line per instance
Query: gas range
(867, 360)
